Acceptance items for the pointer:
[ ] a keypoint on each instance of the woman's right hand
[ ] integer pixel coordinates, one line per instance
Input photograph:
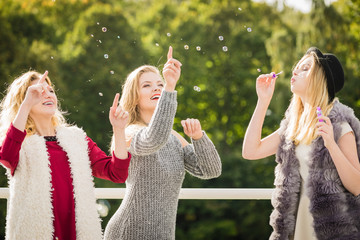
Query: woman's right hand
(265, 85)
(34, 92)
(171, 71)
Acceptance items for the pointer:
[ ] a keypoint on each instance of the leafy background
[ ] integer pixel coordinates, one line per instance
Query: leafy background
(223, 45)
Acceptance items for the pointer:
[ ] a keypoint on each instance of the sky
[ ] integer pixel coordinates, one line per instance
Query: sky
(302, 5)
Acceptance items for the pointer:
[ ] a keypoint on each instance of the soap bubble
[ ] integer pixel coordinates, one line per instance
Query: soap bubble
(197, 89)
(225, 48)
(112, 72)
(106, 56)
(186, 47)
(221, 38)
(249, 29)
(168, 34)
(104, 29)
(259, 70)
(156, 44)
(198, 48)
(101, 94)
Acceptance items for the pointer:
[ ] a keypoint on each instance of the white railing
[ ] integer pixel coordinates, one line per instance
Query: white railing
(187, 193)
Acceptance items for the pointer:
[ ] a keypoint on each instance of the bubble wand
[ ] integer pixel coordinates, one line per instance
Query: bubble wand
(319, 113)
(277, 74)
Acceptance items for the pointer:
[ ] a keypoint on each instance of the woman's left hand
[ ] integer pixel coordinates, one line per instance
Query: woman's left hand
(192, 128)
(118, 117)
(325, 130)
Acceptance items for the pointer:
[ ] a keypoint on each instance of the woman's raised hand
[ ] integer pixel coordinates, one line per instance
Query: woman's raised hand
(265, 85)
(34, 92)
(192, 128)
(171, 71)
(117, 116)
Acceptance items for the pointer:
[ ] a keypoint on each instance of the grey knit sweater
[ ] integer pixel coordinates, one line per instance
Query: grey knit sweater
(156, 173)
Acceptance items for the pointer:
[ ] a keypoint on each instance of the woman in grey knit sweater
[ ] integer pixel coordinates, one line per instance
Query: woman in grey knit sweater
(160, 156)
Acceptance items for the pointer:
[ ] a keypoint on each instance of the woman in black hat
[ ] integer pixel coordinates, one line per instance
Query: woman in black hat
(317, 177)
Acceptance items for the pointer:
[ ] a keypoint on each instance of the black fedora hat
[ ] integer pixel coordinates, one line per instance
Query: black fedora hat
(333, 71)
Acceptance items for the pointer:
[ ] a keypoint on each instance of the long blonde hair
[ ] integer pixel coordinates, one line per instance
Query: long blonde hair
(130, 93)
(15, 95)
(130, 99)
(302, 117)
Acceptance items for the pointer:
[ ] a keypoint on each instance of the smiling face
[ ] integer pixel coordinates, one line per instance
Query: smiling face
(48, 104)
(300, 78)
(150, 87)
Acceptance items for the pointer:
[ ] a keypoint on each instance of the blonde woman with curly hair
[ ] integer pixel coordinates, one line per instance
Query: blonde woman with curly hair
(317, 146)
(160, 156)
(50, 164)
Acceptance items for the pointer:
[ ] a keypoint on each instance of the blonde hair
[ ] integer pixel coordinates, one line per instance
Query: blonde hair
(15, 95)
(302, 117)
(130, 99)
(130, 93)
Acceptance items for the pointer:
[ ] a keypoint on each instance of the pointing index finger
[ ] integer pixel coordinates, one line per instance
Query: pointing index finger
(116, 100)
(169, 55)
(43, 77)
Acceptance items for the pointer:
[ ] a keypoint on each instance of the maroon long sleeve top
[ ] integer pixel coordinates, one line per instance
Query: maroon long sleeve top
(103, 166)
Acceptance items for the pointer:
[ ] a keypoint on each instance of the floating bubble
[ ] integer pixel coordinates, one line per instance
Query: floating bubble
(92, 35)
(259, 70)
(118, 37)
(156, 44)
(98, 23)
(240, 9)
(221, 38)
(52, 57)
(249, 29)
(104, 29)
(106, 56)
(197, 89)
(99, 41)
(168, 34)
(186, 47)
(225, 48)
(268, 112)
(198, 48)
(112, 72)
(101, 94)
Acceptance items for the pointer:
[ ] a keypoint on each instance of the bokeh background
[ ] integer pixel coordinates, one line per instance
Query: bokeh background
(90, 46)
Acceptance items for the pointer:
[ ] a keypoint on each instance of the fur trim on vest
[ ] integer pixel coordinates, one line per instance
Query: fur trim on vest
(336, 211)
(30, 213)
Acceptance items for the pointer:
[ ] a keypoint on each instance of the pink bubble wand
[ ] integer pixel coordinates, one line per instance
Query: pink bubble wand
(319, 113)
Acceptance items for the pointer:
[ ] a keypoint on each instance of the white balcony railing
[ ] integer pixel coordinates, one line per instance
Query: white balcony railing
(187, 193)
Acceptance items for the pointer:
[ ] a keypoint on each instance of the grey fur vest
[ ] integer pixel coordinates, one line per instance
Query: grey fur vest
(336, 211)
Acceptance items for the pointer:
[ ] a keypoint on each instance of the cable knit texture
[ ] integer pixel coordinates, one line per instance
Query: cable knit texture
(156, 172)
(335, 210)
(30, 209)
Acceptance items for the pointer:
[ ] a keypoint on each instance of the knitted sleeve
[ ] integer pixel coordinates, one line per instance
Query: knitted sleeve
(151, 138)
(201, 158)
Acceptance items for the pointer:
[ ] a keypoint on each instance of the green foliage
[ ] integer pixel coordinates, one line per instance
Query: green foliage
(223, 45)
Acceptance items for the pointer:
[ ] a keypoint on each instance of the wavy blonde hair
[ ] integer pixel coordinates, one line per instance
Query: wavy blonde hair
(130, 99)
(302, 116)
(130, 93)
(15, 95)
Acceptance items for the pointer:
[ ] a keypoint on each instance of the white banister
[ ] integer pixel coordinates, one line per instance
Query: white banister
(187, 193)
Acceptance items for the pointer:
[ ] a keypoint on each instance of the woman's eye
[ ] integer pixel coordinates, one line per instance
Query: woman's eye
(146, 85)
(161, 85)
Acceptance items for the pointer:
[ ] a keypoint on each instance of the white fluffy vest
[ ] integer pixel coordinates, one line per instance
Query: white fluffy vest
(30, 213)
